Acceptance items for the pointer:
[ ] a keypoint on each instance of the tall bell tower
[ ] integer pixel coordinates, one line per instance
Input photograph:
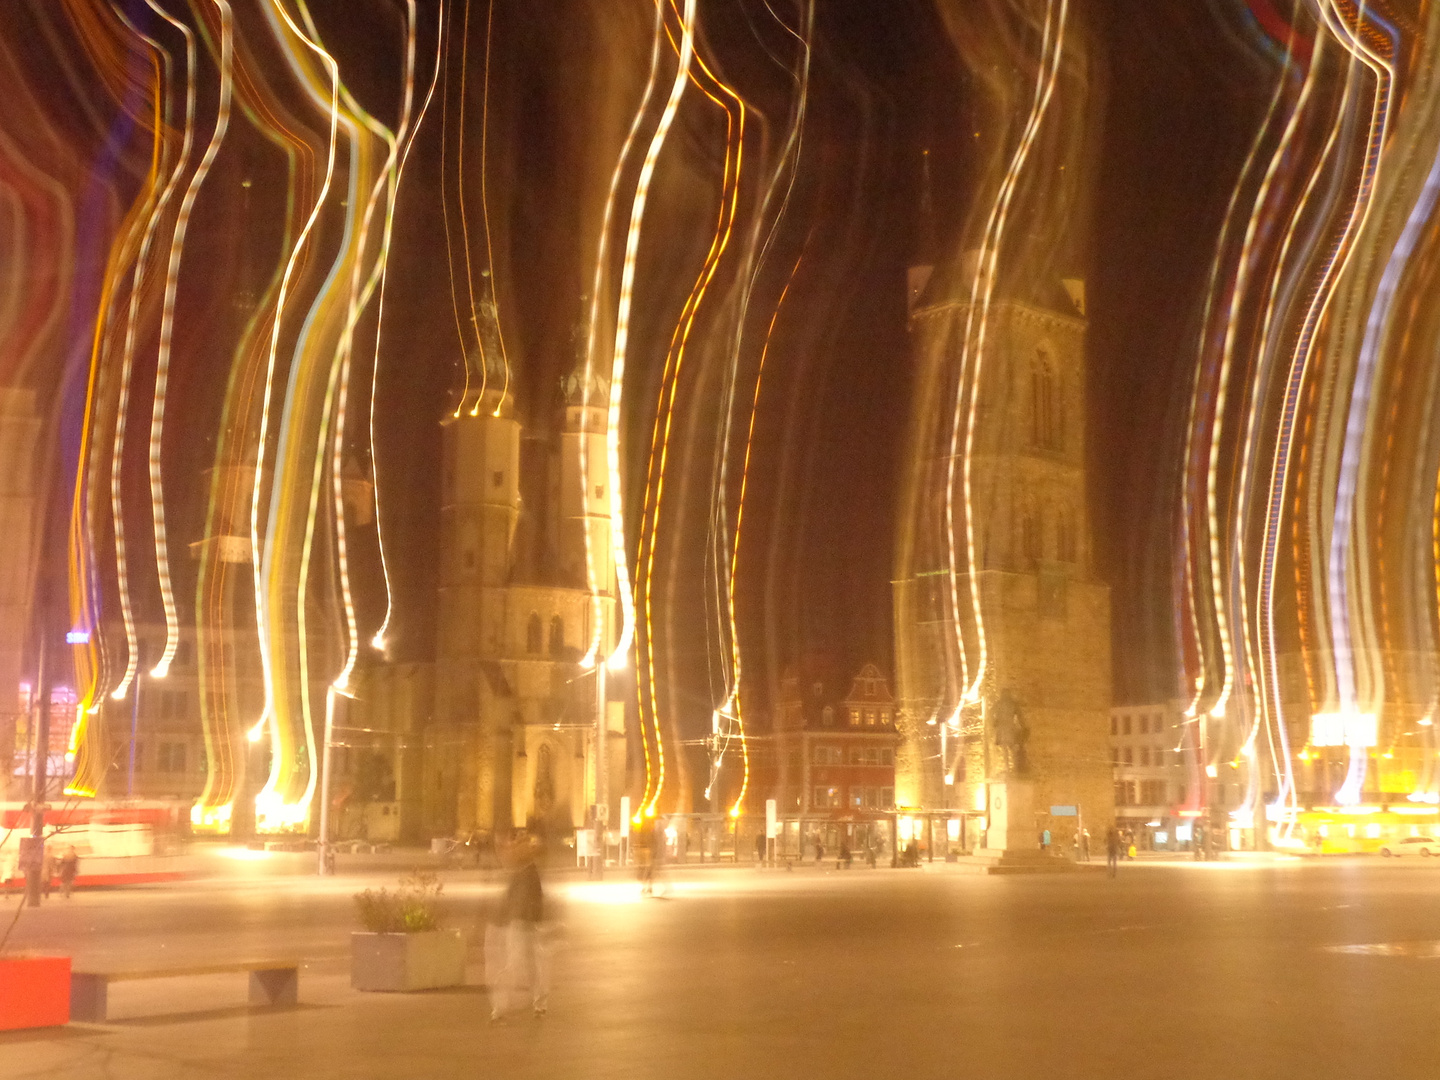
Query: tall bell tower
(1042, 637)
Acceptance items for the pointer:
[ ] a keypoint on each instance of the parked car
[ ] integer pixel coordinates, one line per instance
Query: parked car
(1413, 845)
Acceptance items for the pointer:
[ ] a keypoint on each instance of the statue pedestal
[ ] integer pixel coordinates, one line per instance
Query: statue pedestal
(1012, 839)
(1012, 817)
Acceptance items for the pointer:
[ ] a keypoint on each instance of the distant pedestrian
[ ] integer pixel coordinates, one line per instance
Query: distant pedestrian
(1112, 850)
(69, 867)
(843, 861)
(527, 957)
(1085, 845)
(819, 849)
(760, 848)
(1045, 840)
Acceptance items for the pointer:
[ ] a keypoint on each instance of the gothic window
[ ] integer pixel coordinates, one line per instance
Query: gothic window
(534, 634)
(557, 636)
(1046, 426)
(1066, 546)
(1030, 537)
(544, 782)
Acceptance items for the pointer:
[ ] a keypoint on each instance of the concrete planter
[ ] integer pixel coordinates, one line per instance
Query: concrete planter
(398, 962)
(34, 992)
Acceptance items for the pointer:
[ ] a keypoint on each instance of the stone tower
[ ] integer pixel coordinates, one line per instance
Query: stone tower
(469, 748)
(1045, 619)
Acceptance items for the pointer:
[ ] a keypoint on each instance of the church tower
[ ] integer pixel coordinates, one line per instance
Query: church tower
(1044, 625)
(470, 749)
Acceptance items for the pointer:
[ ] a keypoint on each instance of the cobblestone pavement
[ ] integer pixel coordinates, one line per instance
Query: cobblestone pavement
(1169, 971)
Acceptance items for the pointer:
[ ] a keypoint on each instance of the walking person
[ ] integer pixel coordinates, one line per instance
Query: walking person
(1112, 850)
(69, 868)
(527, 957)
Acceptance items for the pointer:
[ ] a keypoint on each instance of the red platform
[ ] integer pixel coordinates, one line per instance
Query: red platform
(34, 992)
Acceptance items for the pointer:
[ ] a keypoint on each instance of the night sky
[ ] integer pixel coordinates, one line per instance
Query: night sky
(1179, 93)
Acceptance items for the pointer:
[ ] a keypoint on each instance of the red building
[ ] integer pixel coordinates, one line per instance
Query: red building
(831, 769)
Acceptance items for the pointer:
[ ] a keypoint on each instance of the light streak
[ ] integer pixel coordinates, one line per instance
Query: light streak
(167, 328)
(980, 297)
(622, 335)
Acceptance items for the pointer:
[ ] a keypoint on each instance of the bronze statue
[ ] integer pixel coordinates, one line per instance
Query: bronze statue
(1011, 733)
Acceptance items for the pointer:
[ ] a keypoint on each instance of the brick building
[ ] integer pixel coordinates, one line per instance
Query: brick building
(831, 765)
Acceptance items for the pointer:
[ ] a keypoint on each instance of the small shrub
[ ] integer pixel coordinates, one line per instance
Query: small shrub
(410, 909)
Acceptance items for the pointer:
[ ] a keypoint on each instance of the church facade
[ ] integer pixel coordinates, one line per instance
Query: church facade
(499, 731)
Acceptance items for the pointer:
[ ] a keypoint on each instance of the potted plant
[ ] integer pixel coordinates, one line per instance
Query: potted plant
(403, 946)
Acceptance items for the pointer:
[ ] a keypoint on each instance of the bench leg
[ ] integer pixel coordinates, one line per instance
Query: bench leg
(276, 986)
(88, 997)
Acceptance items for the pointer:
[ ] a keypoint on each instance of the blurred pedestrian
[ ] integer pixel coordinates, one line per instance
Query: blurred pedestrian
(69, 868)
(1112, 850)
(819, 849)
(527, 956)
(642, 849)
(760, 848)
(844, 858)
(1085, 845)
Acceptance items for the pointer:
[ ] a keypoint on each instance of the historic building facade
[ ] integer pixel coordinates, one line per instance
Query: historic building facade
(830, 765)
(1042, 637)
(499, 732)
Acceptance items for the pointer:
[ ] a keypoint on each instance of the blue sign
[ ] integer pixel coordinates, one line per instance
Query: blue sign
(1064, 811)
(77, 637)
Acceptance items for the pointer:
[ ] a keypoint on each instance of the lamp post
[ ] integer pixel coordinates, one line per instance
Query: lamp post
(134, 730)
(602, 795)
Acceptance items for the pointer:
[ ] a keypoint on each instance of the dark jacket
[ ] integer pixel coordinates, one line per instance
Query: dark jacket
(524, 899)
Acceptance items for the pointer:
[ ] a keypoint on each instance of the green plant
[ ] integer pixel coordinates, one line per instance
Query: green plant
(410, 909)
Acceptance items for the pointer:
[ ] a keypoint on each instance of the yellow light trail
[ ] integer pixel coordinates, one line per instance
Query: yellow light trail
(985, 271)
(167, 328)
(674, 362)
(268, 799)
(622, 335)
(592, 348)
(127, 358)
(378, 640)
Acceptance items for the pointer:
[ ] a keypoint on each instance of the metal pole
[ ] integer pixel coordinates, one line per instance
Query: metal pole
(326, 862)
(602, 794)
(35, 865)
(134, 732)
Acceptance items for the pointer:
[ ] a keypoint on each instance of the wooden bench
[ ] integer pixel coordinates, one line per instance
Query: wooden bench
(272, 982)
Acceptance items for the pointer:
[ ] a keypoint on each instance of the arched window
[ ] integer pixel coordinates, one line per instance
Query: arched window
(1046, 427)
(1066, 542)
(1031, 542)
(534, 634)
(557, 636)
(827, 716)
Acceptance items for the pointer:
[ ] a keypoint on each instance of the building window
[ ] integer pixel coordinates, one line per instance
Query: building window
(827, 716)
(1066, 544)
(887, 756)
(599, 491)
(1122, 793)
(172, 757)
(497, 478)
(1031, 545)
(854, 717)
(1127, 725)
(826, 797)
(1114, 725)
(1047, 428)
(534, 634)
(1114, 756)
(1125, 757)
(557, 636)
(857, 798)
(827, 755)
(887, 798)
